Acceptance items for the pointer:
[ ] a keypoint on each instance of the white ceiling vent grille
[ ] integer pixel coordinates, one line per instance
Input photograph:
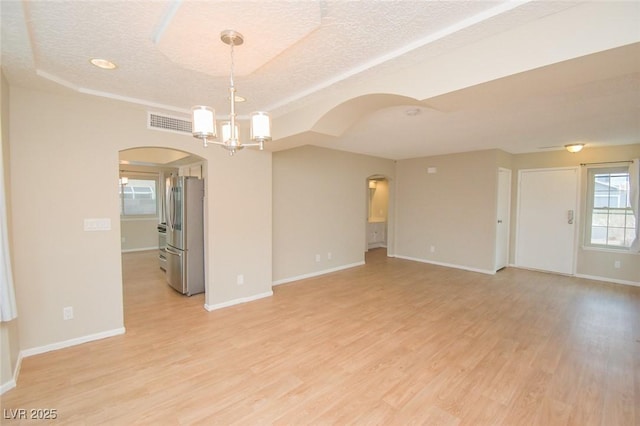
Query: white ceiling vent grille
(167, 123)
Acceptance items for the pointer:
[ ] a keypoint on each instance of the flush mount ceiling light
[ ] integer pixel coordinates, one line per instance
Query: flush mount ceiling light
(204, 117)
(574, 147)
(103, 63)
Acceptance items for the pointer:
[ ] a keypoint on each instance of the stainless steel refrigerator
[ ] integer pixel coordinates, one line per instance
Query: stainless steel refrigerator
(185, 234)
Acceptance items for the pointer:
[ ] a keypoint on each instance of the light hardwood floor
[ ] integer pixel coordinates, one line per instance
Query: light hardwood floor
(393, 342)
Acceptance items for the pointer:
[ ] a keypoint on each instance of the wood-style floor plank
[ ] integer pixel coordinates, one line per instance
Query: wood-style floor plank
(391, 342)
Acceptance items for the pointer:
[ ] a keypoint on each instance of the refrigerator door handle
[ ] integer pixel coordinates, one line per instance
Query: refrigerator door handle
(173, 207)
(170, 208)
(167, 203)
(170, 250)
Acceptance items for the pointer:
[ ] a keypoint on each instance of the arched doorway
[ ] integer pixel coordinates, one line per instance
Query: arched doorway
(379, 213)
(144, 173)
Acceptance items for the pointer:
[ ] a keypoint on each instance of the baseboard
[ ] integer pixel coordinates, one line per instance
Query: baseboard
(447, 265)
(238, 301)
(588, 277)
(5, 387)
(52, 347)
(318, 273)
(609, 280)
(139, 249)
(71, 342)
(16, 371)
(376, 245)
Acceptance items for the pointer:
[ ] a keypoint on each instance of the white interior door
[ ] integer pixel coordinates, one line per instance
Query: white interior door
(547, 201)
(503, 213)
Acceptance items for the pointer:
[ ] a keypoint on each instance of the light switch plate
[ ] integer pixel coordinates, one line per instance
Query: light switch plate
(99, 224)
(67, 313)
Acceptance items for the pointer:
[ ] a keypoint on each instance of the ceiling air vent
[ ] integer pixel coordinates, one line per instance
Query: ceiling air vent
(168, 124)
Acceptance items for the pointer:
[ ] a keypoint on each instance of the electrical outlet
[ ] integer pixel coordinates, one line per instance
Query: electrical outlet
(432, 249)
(317, 258)
(329, 256)
(240, 279)
(67, 313)
(616, 264)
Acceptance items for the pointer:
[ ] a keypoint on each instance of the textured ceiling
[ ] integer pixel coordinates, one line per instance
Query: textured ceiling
(515, 75)
(187, 37)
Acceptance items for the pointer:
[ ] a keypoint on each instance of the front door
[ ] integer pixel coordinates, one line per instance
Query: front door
(546, 227)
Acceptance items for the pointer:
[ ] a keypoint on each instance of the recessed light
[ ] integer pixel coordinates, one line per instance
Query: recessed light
(103, 63)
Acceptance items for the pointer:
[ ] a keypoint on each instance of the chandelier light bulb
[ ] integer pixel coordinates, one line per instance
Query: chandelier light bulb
(226, 132)
(203, 126)
(260, 126)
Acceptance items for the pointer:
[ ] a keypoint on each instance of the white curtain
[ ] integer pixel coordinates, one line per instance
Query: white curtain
(8, 310)
(634, 198)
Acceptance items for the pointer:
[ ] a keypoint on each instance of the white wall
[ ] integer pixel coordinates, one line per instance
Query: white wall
(9, 336)
(63, 139)
(240, 206)
(139, 234)
(452, 210)
(320, 207)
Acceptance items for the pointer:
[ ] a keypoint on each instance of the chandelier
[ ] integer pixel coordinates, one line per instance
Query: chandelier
(204, 117)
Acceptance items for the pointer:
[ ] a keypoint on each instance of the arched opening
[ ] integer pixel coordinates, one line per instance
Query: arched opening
(379, 214)
(146, 174)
